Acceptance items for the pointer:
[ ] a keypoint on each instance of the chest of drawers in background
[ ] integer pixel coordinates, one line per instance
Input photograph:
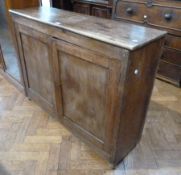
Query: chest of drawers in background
(98, 8)
(162, 14)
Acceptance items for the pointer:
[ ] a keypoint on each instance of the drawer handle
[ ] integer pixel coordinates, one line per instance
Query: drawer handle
(129, 10)
(168, 16)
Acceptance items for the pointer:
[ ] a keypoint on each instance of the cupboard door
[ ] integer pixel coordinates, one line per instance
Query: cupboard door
(86, 91)
(36, 62)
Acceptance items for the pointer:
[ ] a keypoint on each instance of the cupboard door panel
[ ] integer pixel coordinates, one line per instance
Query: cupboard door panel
(37, 68)
(83, 91)
(86, 91)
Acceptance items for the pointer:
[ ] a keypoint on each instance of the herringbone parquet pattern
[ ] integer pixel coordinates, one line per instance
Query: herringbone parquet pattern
(33, 143)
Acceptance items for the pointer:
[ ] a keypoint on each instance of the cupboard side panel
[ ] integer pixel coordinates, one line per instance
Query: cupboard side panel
(137, 91)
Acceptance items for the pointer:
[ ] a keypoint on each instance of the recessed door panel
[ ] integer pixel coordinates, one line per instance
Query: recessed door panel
(37, 67)
(84, 93)
(86, 85)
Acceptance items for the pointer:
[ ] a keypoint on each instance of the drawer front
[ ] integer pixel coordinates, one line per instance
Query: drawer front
(149, 12)
(101, 12)
(165, 17)
(130, 11)
(168, 3)
(82, 8)
(173, 42)
(170, 71)
(172, 56)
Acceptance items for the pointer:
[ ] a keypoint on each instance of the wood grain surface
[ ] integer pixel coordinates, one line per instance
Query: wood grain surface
(93, 87)
(124, 35)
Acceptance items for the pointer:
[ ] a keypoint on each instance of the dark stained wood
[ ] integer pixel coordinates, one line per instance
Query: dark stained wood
(129, 11)
(173, 42)
(170, 72)
(152, 13)
(165, 15)
(2, 63)
(135, 107)
(95, 70)
(125, 35)
(101, 12)
(167, 18)
(98, 8)
(172, 56)
(20, 4)
(82, 8)
(62, 4)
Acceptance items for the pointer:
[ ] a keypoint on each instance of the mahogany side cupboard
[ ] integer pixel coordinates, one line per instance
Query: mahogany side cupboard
(94, 74)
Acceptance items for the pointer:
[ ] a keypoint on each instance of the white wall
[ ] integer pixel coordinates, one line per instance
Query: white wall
(46, 3)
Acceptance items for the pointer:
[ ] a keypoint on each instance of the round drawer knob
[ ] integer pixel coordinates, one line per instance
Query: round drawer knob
(168, 16)
(129, 10)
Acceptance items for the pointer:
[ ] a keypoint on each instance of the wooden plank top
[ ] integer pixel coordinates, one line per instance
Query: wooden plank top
(125, 35)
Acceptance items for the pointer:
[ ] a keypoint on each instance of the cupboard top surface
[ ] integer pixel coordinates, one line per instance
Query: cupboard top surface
(125, 35)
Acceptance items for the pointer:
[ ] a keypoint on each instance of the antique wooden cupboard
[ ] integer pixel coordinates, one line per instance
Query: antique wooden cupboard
(91, 73)
(162, 14)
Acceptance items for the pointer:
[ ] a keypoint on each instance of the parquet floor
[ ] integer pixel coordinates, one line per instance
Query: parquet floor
(33, 143)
